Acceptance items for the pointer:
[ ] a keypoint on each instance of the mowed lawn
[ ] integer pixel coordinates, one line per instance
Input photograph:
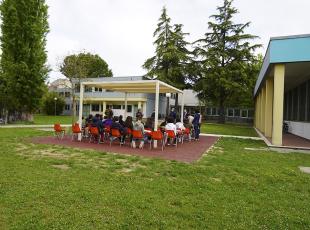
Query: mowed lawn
(229, 129)
(39, 119)
(53, 187)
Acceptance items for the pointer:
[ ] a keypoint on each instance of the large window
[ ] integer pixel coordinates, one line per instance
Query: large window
(67, 107)
(67, 94)
(237, 113)
(230, 112)
(244, 113)
(95, 107)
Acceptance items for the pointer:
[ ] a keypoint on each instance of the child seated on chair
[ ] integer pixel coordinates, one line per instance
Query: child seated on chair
(138, 125)
(117, 125)
(171, 126)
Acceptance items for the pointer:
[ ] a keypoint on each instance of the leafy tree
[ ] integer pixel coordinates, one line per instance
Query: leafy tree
(75, 67)
(225, 56)
(23, 62)
(49, 103)
(171, 56)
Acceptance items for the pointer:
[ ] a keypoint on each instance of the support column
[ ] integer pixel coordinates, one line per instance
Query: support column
(263, 103)
(104, 107)
(125, 113)
(81, 109)
(278, 94)
(268, 107)
(182, 108)
(144, 108)
(258, 112)
(139, 104)
(156, 109)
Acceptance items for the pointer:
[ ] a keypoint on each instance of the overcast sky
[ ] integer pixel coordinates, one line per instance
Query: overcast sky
(121, 31)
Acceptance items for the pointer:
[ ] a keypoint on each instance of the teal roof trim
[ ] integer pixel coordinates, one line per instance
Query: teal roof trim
(290, 50)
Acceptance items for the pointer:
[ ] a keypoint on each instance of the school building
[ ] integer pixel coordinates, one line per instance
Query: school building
(282, 91)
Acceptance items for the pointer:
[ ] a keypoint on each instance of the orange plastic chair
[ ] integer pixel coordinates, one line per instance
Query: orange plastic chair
(115, 135)
(94, 134)
(76, 131)
(187, 133)
(107, 131)
(137, 135)
(59, 131)
(171, 134)
(157, 136)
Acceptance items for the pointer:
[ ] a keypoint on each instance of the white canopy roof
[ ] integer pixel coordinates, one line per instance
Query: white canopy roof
(140, 86)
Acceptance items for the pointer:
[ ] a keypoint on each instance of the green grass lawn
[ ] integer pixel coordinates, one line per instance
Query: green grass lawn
(228, 129)
(39, 119)
(53, 187)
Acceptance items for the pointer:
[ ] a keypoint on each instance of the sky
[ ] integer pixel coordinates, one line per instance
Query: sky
(121, 31)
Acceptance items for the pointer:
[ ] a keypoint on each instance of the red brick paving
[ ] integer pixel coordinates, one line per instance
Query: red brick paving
(187, 152)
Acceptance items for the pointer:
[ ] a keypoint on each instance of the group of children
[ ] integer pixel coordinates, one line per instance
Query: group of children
(125, 127)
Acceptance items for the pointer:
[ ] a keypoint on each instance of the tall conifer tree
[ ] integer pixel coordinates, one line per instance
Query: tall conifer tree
(225, 54)
(23, 62)
(171, 55)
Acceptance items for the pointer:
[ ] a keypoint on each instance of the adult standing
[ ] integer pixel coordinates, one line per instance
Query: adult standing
(196, 125)
(173, 114)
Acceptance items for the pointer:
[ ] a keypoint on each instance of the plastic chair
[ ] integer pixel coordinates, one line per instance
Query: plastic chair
(106, 132)
(157, 136)
(76, 131)
(59, 131)
(114, 135)
(137, 135)
(171, 134)
(187, 133)
(94, 134)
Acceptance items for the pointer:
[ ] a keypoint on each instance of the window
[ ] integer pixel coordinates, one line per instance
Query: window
(61, 94)
(95, 107)
(67, 94)
(129, 108)
(88, 89)
(117, 107)
(237, 113)
(302, 102)
(98, 89)
(244, 113)
(295, 104)
(230, 112)
(67, 107)
(209, 111)
(214, 111)
(308, 101)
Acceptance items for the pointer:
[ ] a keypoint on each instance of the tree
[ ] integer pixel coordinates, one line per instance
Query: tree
(171, 55)
(49, 103)
(75, 67)
(23, 62)
(225, 55)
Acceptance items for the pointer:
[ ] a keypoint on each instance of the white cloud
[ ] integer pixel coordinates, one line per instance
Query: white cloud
(120, 31)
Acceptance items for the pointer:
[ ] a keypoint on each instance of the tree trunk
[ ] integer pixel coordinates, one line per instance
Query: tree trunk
(176, 103)
(167, 106)
(221, 118)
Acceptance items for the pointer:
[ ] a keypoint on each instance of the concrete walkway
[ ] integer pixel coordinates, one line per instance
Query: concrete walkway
(240, 137)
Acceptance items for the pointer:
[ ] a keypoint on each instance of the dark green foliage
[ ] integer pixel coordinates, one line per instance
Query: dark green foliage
(23, 62)
(83, 65)
(171, 56)
(226, 57)
(49, 103)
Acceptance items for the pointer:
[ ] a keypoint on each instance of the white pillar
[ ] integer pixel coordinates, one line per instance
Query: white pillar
(125, 113)
(81, 109)
(182, 108)
(156, 109)
(139, 104)
(104, 107)
(144, 108)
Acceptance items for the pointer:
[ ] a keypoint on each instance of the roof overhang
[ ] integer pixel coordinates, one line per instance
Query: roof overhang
(138, 86)
(287, 49)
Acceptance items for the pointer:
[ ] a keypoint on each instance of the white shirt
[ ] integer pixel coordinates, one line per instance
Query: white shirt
(190, 119)
(180, 125)
(171, 126)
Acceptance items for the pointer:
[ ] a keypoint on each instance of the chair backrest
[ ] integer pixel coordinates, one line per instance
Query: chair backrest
(57, 128)
(94, 131)
(137, 134)
(115, 133)
(76, 128)
(107, 129)
(187, 131)
(157, 135)
(170, 133)
(129, 131)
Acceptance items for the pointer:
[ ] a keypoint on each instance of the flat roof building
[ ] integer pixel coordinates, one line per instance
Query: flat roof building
(282, 90)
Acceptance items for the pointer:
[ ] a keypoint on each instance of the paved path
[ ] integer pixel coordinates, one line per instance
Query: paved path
(240, 137)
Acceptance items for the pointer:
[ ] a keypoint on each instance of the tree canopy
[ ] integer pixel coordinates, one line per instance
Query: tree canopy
(23, 61)
(225, 56)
